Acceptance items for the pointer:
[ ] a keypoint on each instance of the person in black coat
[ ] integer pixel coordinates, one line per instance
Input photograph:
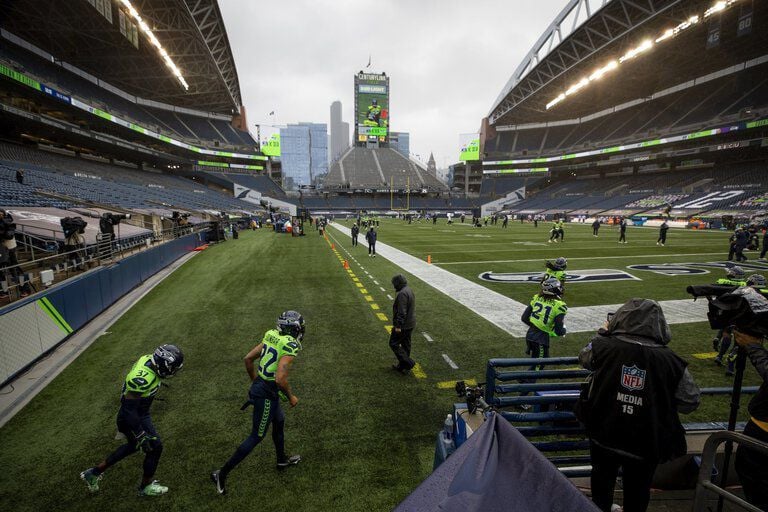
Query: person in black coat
(355, 232)
(595, 227)
(740, 243)
(403, 323)
(623, 231)
(751, 465)
(631, 409)
(662, 234)
(370, 237)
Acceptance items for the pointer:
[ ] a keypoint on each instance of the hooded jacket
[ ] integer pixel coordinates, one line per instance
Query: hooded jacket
(639, 385)
(404, 308)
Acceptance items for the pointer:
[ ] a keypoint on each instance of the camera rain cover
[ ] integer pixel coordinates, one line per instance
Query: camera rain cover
(744, 308)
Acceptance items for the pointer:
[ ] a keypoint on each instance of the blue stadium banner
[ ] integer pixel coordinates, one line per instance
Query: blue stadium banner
(713, 34)
(744, 26)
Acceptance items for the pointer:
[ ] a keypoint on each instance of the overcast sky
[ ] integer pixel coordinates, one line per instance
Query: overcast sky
(447, 59)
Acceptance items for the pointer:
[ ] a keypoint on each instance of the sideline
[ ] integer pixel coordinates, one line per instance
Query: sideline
(505, 312)
(18, 393)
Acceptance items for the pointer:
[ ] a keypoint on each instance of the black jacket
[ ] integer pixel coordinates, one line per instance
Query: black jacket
(758, 406)
(639, 385)
(355, 230)
(370, 237)
(404, 308)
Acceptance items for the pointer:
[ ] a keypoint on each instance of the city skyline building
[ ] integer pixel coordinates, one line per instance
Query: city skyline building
(400, 142)
(339, 133)
(304, 148)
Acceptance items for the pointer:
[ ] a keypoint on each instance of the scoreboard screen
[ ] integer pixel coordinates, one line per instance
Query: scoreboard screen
(372, 107)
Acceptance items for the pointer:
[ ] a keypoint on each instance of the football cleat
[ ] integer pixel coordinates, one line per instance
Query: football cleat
(216, 479)
(153, 489)
(91, 479)
(290, 461)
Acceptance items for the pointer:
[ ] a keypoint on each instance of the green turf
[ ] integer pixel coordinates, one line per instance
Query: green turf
(365, 432)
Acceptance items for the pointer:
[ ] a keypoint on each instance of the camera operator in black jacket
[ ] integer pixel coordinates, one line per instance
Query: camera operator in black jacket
(631, 413)
(752, 466)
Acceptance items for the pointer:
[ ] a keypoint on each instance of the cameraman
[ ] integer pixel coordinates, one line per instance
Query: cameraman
(752, 466)
(631, 412)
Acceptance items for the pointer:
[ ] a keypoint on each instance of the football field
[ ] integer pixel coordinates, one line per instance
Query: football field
(365, 432)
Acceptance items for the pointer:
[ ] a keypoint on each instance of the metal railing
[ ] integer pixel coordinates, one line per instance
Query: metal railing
(705, 486)
(16, 280)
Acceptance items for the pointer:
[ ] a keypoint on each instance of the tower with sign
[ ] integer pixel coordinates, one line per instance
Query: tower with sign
(372, 117)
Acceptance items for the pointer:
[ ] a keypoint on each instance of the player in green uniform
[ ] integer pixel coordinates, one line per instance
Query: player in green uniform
(556, 269)
(134, 422)
(269, 384)
(561, 230)
(554, 233)
(544, 317)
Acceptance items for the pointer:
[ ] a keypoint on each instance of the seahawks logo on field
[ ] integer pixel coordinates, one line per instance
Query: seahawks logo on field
(579, 276)
(687, 269)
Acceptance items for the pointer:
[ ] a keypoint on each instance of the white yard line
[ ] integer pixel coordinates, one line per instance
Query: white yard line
(427, 336)
(450, 362)
(505, 312)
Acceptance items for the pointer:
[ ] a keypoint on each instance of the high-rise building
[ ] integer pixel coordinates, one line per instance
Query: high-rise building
(304, 158)
(400, 142)
(339, 140)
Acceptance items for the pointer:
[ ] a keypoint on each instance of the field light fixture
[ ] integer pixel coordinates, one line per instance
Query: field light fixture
(646, 45)
(155, 42)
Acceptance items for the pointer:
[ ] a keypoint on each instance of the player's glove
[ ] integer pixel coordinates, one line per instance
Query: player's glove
(145, 442)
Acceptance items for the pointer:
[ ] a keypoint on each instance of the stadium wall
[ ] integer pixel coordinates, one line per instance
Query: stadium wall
(30, 328)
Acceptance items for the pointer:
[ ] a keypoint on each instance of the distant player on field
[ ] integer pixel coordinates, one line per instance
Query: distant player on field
(134, 422)
(595, 227)
(623, 231)
(269, 384)
(662, 234)
(561, 229)
(554, 233)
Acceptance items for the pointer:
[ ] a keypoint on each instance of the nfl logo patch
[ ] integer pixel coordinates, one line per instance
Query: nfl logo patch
(632, 377)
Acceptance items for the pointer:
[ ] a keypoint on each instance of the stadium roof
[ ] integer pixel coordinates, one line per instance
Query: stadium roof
(191, 32)
(583, 38)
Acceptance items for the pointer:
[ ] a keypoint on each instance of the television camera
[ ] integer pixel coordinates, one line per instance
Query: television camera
(474, 395)
(108, 221)
(73, 226)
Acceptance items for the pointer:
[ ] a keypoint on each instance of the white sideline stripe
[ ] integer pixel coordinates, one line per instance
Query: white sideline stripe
(390, 297)
(505, 312)
(375, 282)
(382, 288)
(450, 362)
(588, 258)
(427, 336)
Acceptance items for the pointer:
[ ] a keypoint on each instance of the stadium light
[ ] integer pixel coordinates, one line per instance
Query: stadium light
(155, 42)
(646, 45)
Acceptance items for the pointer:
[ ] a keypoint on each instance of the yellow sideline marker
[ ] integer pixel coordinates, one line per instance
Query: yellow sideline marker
(369, 298)
(382, 317)
(375, 306)
(418, 372)
(450, 384)
(388, 328)
(363, 291)
(705, 355)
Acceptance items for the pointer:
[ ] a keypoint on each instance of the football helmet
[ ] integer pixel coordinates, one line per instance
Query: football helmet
(735, 272)
(552, 287)
(292, 324)
(756, 281)
(167, 359)
(559, 264)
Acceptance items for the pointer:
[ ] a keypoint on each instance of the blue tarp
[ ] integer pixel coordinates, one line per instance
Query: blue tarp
(496, 469)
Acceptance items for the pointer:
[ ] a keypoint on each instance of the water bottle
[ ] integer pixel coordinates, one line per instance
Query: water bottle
(448, 427)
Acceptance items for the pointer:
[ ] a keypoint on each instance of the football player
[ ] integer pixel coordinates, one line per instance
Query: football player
(544, 317)
(556, 269)
(134, 422)
(269, 385)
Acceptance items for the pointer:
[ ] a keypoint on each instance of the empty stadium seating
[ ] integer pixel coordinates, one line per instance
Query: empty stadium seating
(191, 128)
(106, 184)
(363, 168)
(709, 103)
